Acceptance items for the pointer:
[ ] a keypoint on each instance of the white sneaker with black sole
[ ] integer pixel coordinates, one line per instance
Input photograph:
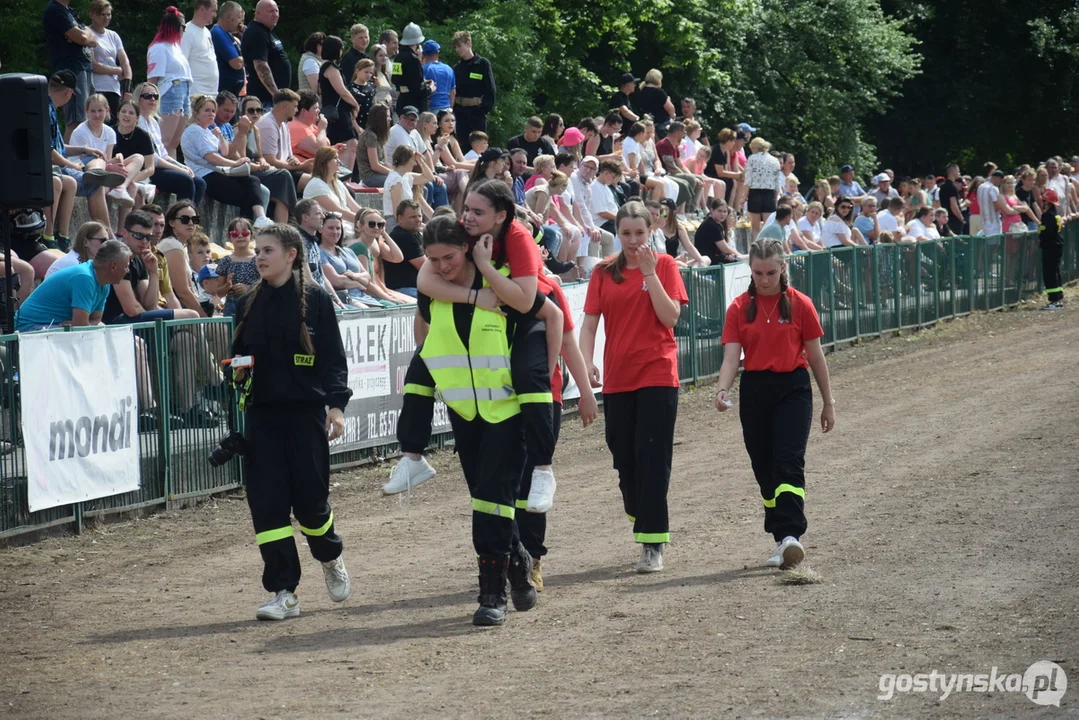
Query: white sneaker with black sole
(788, 553)
(284, 605)
(541, 493)
(262, 222)
(651, 558)
(337, 582)
(408, 474)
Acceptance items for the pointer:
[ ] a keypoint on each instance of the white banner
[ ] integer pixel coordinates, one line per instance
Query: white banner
(736, 278)
(80, 412)
(575, 295)
(367, 349)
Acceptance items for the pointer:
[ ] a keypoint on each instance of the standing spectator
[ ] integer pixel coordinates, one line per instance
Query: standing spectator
(268, 67)
(386, 93)
(932, 191)
(112, 69)
(918, 227)
(360, 38)
(475, 87)
(764, 180)
(531, 140)
(444, 89)
(991, 204)
(401, 276)
(1012, 219)
(198, 48)
(205, 151)
(370, 153)
(848, 186)
(364, 89)
(1025, 193)
(950, 199)
(891, 218)
(76, 295)
(338, 105)
(169, 175)
(621, 102)
(388, 39)
(407, 74)
(230, 65)
(310, 62)
(167, 68)
(1059, 184)
(655, 102)
(70, 45)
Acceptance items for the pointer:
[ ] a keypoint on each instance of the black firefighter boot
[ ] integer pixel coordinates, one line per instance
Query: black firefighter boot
(492, 599)
(522, 591)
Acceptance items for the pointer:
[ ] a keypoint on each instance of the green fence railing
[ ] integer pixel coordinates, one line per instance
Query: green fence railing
(858, 291)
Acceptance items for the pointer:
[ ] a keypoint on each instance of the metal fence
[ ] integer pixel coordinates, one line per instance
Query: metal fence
(859, 292)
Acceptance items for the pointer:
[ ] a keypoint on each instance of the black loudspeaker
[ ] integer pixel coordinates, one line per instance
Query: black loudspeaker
(25, 142)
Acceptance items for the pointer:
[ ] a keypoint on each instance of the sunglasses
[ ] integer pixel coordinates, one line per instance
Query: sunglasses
(254, 111)
(846, 207)
(239, 233)
(373, 224)
(189, 219)
(149, 96)
(331, 216)
(137, 235)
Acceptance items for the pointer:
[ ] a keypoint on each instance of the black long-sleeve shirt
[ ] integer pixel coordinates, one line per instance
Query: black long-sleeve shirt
(284, 372)
(475, 79)
(408, 78)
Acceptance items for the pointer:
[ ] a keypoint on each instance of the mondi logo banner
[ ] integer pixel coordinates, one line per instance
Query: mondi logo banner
(80, 412)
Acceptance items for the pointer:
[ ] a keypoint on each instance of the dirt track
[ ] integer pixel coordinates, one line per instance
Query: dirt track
(942, 517)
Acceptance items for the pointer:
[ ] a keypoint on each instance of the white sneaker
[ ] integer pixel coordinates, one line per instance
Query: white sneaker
(337, 579)
(262, 222)
(284, 605)
(541, 494)
(147, 190)
(651, 559)
(788, 554)
(121, 197)
(408, 474)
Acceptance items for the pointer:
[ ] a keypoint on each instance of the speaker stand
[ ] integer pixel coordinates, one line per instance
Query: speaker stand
(5, 236)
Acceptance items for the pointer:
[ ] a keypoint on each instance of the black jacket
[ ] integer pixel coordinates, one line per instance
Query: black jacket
(284, 373)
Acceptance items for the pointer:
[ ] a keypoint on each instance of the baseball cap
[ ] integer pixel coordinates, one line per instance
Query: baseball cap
(883, 177)
(746, 127)
(589, 159)
(493, 153)
(409, 110)
(1051, 196)
(847, 168)
(628, 78)
(64, 78)
(207, 272)
(431, 47)
(571, 137)
(998, 173)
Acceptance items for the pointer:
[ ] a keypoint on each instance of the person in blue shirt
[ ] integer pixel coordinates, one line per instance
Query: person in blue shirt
(849, 187)
(442, 75)
(230, 66)
(75, 295)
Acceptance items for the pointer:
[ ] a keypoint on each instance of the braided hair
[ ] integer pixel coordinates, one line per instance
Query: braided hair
(288, 238)
(769, 249)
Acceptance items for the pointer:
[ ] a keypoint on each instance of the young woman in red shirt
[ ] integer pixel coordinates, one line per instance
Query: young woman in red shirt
(778, 329)
(639, 296)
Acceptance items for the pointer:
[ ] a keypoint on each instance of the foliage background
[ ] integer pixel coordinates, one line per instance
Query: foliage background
(916, 84)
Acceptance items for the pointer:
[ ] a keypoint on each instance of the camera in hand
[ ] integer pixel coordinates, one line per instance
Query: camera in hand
(229, 447)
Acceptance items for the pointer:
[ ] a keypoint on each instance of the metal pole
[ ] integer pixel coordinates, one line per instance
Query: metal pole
(5, 236)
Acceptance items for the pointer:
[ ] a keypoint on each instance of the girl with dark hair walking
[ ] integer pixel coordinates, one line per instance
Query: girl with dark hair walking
(778, 329)
(289, 328)
(639, 295)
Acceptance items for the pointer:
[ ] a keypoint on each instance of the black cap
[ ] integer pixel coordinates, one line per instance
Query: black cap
(409, 110)
(64, 78)
(998, 173)
(847, 168)
(493, 153)
(628, 78)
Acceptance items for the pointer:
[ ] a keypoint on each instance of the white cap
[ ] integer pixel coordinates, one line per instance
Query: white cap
(883, 177)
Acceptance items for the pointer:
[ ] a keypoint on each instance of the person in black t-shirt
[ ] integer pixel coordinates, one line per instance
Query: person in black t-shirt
(1024, 190)
(653, 100)
(711, 237)
(621, 104)
(267, 64)
(950, 199)
(532, 141)
(134, 299)
(401, 276)
(361, 38)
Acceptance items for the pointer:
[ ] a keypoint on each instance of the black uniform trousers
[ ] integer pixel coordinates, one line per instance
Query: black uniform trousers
(531, 528)
(469, 120)
(287, 467)
(776, 410)
(640, 435)
(1052, 254)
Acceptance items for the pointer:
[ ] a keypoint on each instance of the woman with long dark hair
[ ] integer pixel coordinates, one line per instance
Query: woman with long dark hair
(290, 329)
(371, 148)
(779, 332)
(339, 107)
(553, 128)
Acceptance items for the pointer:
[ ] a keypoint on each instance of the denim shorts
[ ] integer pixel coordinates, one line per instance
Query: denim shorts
(176, 99)
(83, 190)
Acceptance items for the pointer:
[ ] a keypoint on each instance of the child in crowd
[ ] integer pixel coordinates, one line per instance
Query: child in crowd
(203, 275)
(479, 142)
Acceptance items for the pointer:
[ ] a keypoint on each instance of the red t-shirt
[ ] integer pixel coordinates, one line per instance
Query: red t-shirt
(522, 252)
(664, 148)
(776, 346)
(640, 351)
(547, 287)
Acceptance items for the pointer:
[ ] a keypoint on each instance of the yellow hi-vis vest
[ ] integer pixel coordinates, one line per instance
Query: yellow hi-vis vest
(476, 380)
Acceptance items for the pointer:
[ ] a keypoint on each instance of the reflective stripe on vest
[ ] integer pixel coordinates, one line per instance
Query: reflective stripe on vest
(471, 383)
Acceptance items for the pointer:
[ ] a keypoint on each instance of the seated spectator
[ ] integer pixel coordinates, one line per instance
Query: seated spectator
(601, 242)
(667, 150)
(449, 155)
(328, 190)
(94, 132)
(279, 186)
(434, 192)
(603, 145)
(572, 142)
(341, 267)
(132, 141)
(307, 130)
(181, 223)
(401, 275)
(894, 219)
(77, 294)
(917, 229)
(940, 223)
(676, 240)
(637, 169)
(276, 140)
(401, 181)
(553, 128)
(134, 298)
(711, 238)
(374, 247)
(604, 202)
(837, 229)
(170, 176)
(404, 132)
(309, 216)
(777, 230)
(531, 140)
(167, 297)
(238, 270)
(205, 152)
(478, 143)
(811, 224)
(866, 222)
(371, 162)
(88, 241)
(202, 269)
(792, 189)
